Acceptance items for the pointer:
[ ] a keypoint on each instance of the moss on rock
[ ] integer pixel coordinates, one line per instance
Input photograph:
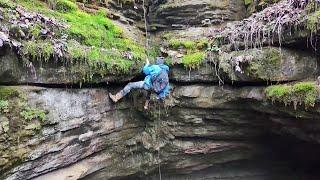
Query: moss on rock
(18, 122)
(265, 64)
(65, 6)
(87, 39)
(300, 93)
(193, 60)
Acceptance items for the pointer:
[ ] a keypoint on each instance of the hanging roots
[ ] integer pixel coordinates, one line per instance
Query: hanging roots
(268, 26)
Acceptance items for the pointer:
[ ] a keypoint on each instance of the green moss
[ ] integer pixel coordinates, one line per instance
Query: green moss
(4, 104)
(202, 44)
(193, 60)
(93, 39)
(248, 2)
(300, 93)
(7, 4)
(313, 21)
(39, 50)
(34, 5)
(35, 30)
(175, 44)
(7, 92)
(264, 65)
(65, 6)
(93, 30)
(189, 44)
(279, 92)
(33, 113)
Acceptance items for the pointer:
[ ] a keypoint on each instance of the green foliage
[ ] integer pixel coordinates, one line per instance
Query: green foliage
(4, 104)
(33, 113)
(202, 44)
(35, 30)
(300, 93)
(7, 4)
(189, 44)
(313, 21)
(8, 92)
(34, 5)
(93, 38)
(154, 51)
(41, 50)
(247, 2)
(193, 60)
(65, 6)
(175, 44)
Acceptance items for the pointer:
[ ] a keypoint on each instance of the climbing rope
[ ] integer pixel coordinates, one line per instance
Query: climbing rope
(146, 27)
(147, 52)
(158, 131)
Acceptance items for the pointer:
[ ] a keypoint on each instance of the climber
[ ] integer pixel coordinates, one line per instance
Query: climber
(156, 80)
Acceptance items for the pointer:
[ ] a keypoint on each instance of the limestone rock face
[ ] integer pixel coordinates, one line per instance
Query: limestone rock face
(181, 13)
(269, 64)
(14, 70)
(253, 65)
(86, 136)
(202, 131)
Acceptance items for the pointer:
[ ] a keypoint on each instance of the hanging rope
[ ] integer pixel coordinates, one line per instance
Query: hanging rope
(158, 132)
(146, 27)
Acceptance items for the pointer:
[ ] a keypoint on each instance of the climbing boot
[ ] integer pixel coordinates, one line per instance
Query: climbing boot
(117, 97)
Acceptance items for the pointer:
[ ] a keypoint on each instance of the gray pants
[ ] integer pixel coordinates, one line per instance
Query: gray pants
(133, 85)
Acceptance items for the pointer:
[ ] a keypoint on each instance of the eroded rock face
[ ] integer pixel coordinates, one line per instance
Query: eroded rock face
(85, 136)
(14, 70)
(179, 14)
(269, 64)
(251, 66)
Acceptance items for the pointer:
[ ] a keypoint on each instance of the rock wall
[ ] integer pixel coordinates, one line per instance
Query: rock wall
(203, 130)
(203, 126)
(182, 14)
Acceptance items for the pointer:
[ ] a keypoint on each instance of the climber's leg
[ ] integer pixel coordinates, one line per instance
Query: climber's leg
(126, 90)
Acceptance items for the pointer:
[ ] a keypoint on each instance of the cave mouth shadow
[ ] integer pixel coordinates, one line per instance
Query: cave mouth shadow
(287, 158)
(302, 157)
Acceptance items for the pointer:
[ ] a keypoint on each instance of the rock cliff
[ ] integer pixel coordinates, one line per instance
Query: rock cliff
(234, 112)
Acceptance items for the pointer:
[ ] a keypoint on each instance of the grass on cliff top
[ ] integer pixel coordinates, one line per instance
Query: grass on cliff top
(300, 93)
(94, 32)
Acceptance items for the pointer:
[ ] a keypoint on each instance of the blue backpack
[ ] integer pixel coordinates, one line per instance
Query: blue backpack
(160, 81)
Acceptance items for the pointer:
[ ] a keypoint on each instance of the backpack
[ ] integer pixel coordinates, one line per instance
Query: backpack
(160, 81)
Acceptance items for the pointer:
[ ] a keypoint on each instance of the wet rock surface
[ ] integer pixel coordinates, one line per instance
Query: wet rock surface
(202, 130)
(86, 136)
(180, 14)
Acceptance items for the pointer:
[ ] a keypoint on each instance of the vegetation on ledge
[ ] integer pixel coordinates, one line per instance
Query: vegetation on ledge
(300, 93)
(193, 60)
(92, 40)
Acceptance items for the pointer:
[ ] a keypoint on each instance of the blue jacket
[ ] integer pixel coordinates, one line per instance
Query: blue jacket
(151, 71)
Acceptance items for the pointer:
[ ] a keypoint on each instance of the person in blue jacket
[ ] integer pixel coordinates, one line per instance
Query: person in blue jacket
(156, 80)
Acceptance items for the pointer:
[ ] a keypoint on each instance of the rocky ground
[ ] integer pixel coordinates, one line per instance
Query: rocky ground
(245, 114)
